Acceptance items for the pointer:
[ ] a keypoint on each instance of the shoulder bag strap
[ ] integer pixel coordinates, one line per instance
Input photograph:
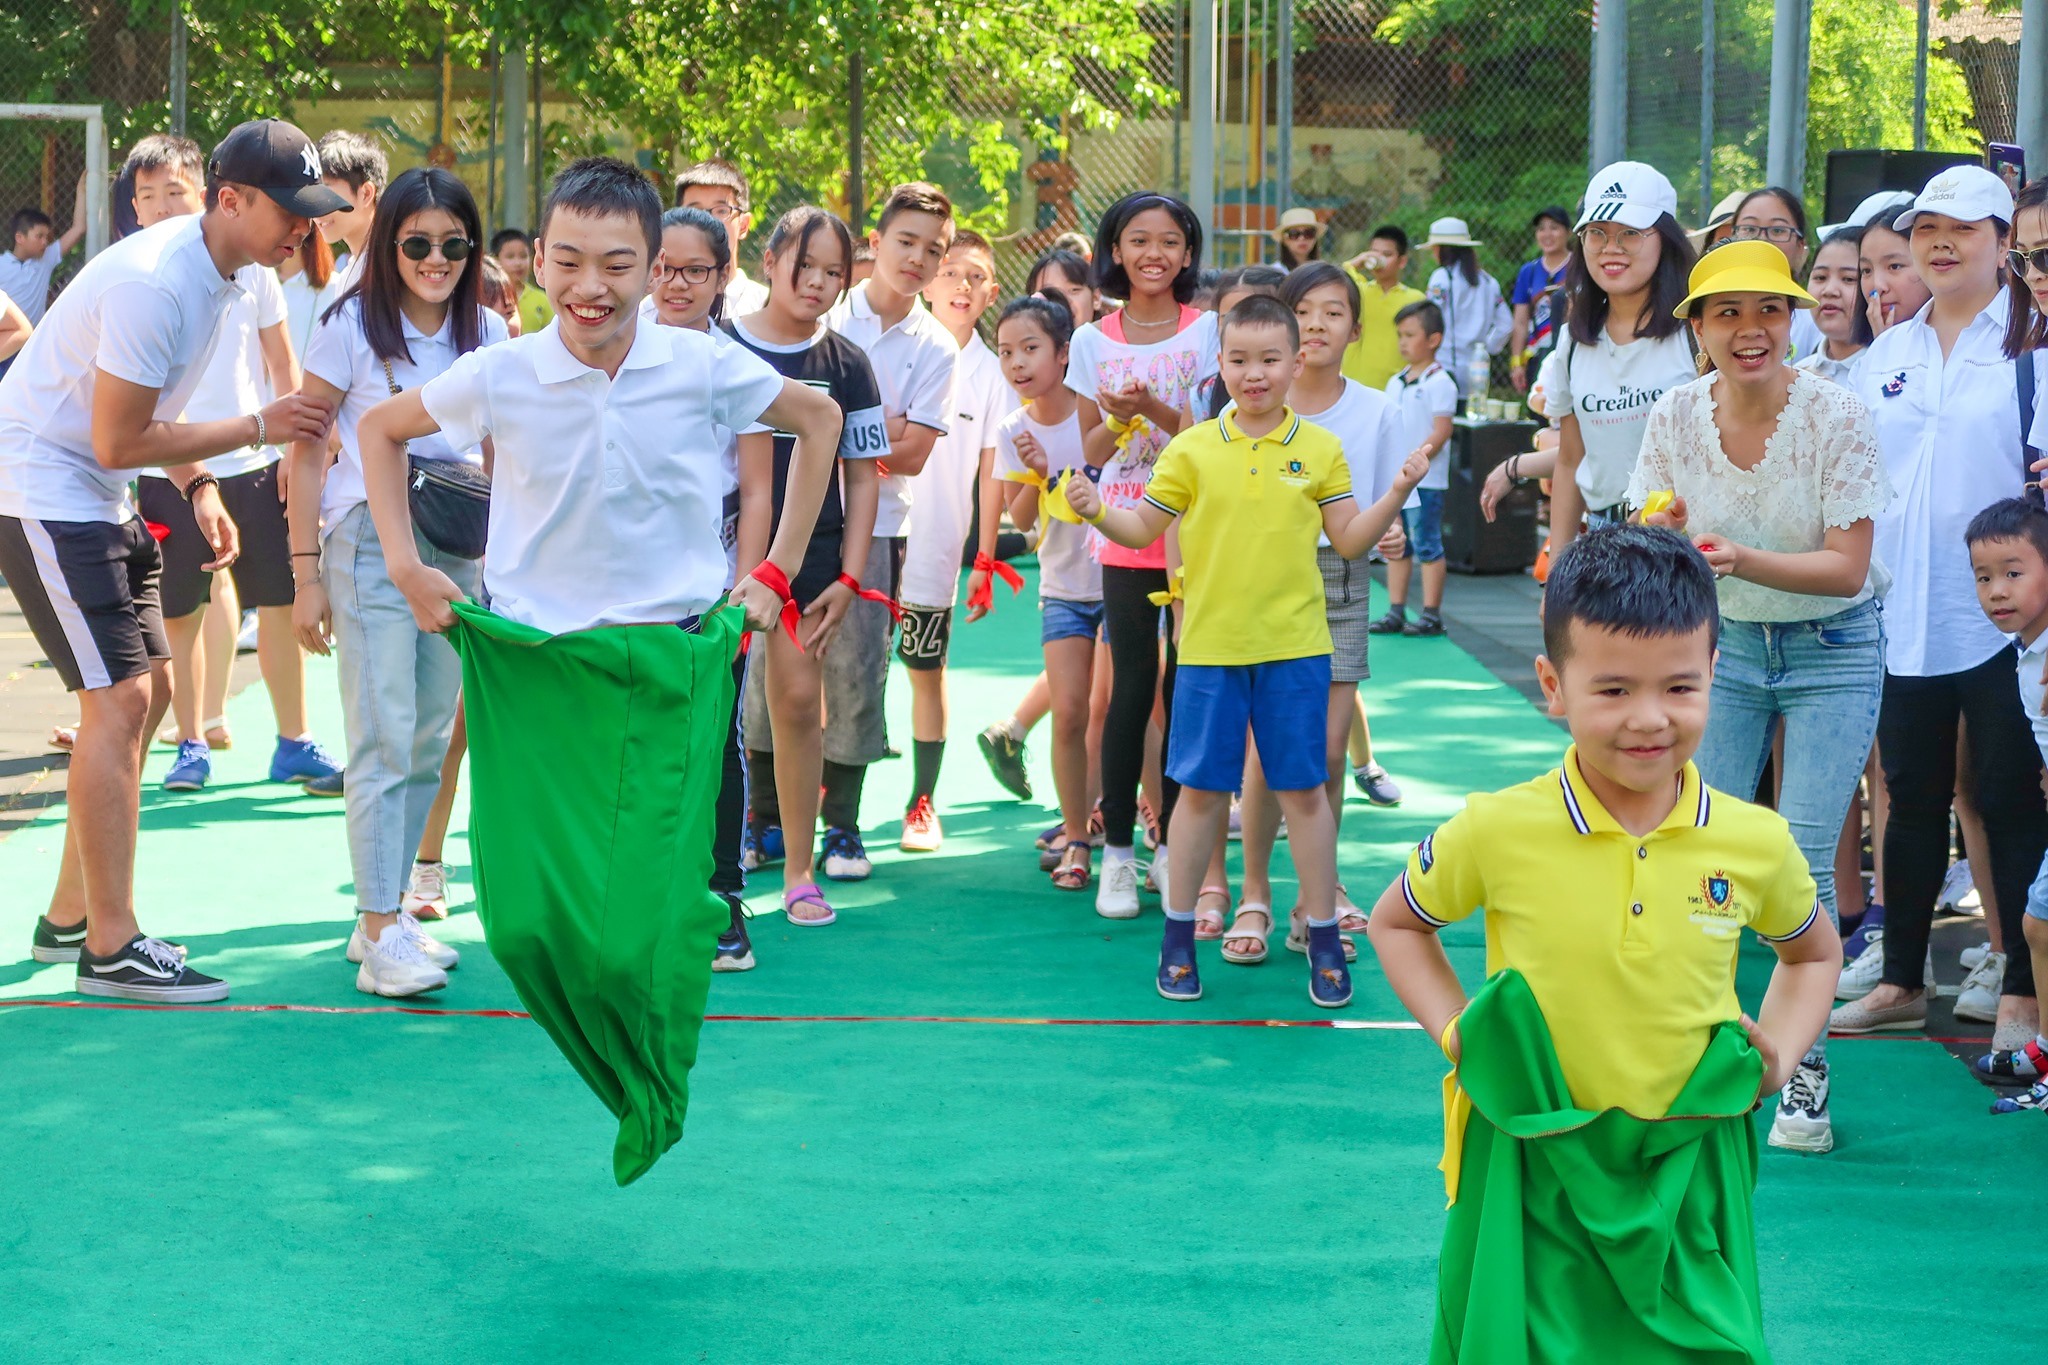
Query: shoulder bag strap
(2023, 387)
(391, 382)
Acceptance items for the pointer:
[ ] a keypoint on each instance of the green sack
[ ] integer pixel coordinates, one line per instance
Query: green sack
(596, 758)
(1582, 1236)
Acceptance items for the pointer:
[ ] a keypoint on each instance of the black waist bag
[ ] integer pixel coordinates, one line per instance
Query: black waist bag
(451, 501)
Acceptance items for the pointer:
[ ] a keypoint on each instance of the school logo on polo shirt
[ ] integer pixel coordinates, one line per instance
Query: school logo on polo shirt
(1425, 853)
(1894, 386)
(1715, 909)
(1292, 472)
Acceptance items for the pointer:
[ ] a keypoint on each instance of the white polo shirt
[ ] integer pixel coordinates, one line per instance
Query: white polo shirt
(145, 310)
(606, 494)
(1419, 402)
(235, 382)
(913, 363)
(1949, 431)
(28, 282)
(340, 355)
(1611, 389)
(945, 487)
(744, 295)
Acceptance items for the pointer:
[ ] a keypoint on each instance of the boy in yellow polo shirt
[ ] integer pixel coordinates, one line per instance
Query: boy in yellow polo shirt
(1598, 1149)
(1252, 489)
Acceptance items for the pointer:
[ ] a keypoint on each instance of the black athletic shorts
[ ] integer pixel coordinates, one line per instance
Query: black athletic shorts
(263, 570)
(927, 632)
(89, 592)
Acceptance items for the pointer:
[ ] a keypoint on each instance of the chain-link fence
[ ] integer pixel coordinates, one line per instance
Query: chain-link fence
(1365, 111)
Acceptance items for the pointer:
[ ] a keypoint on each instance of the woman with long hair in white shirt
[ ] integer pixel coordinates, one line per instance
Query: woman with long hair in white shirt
(1776, 477)
(1476, 317)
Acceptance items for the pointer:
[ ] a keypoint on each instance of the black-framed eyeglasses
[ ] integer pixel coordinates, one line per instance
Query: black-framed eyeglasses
(1777, 233)
(692, 274)
(453, 249)
(2021, 260)
(722, 211)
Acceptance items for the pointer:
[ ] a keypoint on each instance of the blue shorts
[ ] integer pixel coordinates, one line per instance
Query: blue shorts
(1425, 526)
(1285, 704)
(2037, 894)
(1060, 619)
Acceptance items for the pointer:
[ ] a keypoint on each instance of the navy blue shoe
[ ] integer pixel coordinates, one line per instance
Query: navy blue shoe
(191, 768)
(1178, 979)
(758, 848)
(1854, 946)
(1329, 980)
(845, 858)
(301, 760)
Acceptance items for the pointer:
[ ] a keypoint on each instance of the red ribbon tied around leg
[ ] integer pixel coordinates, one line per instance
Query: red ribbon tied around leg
(895, 612)
(777, 582)
(984, 597)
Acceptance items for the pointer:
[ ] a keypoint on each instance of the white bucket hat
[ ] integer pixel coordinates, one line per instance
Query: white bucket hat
(1629, 193)
(1450, 232)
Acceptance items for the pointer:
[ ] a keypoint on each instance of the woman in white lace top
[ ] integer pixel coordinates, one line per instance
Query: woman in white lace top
(1776, 476)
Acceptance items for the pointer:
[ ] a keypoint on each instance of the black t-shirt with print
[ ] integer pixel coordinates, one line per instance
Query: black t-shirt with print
(832, 364)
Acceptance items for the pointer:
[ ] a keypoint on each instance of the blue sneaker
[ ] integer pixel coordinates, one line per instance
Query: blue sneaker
(191, 768)
(1329, 980)
(1854, 945)
(301, 760)
(2034, 1100)
(771, 843)
(760, 848)
(1178, 979)
(845, 859)
(328, 784)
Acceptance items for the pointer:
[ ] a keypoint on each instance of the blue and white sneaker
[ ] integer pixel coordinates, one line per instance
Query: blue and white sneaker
(1329, 980)
(845, 859)
(734, 952)
(147, 969)
(191, 768)
(760, 848)
(301, 760)
(1178, 979)
(2034, 1100)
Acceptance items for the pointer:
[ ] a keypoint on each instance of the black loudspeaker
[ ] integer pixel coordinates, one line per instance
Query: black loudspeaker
(1854, 176)
(1472, 544)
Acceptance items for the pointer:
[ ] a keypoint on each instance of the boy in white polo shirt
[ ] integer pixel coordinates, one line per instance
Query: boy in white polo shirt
(35, 251)
(1425, 397)
(718, 188)
(116, 358)
(913, 358)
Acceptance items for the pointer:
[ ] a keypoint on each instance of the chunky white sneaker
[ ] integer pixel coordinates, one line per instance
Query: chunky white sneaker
(395, 966)
(922, 832)
(1956, 884)
(427, 896)
(1978, 1001)
(436, 952)
(1802, 1123)
(1116, 894)
(1155, 873)
(1860, 977)
(1970, 957)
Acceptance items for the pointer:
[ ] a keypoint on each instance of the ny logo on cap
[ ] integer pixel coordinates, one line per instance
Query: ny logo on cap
(311, 160)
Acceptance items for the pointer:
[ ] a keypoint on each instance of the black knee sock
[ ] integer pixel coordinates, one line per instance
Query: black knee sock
(767, 807)
(841, 805)
(926, 755)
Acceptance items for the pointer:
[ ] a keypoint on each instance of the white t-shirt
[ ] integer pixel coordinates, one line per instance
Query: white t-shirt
(1472, 313)
(1171, 369)
(340, 354)
(1807, 338)
(303, 305)
(145, 310)
(1950, 434)
(1368, 423)
(1610, 389)
(2038, 436)
(1820, 471)
(744, 296)
(945, 488)
(1418, 403)
(1067, 571)
(606, 494)
(235, 381)
(28, 282)
(913, 363)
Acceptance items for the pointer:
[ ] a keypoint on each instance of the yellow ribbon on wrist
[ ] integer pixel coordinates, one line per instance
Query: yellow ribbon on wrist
(1173, 591)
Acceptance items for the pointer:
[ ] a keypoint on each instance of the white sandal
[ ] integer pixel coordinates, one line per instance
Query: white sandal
(1234, 934)
(1297, 935)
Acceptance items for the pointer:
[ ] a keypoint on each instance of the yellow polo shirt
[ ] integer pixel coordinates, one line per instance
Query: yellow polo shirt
(535, 312)
(1250, 510)
(1375, 357)
(1628, 943)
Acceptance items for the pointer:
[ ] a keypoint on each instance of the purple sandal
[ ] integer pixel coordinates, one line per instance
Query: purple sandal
(807, 894)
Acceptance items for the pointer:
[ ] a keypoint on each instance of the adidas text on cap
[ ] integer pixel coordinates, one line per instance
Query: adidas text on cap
(1968, 194)
(275, 157)
(1629, 193)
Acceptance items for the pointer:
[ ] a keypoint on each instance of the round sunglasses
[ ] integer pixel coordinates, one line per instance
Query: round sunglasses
(419, 248)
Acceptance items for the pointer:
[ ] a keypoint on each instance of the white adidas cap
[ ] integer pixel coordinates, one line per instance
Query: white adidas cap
(1968, 194)
(1629, 193)
(1881, 207)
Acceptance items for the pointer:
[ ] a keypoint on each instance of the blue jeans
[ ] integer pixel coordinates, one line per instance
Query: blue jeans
(1824, 679)
(399, 688)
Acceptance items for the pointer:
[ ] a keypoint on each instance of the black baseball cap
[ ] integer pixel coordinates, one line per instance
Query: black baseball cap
(1555, 214)
(271, 155)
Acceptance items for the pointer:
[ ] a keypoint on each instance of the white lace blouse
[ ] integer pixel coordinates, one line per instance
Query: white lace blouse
(1821, 468)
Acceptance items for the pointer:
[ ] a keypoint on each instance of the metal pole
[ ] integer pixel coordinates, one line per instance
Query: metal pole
(518, 194)
(1609, 141)
(536, 137)
(1180, 86)
(856, 133)
(491, 160)
(2031, 130)
(96, 183)
(1920, 34)
(1707, 78)
(1202, 124)
(1285, 75)
(178, 75)
(1785, 150)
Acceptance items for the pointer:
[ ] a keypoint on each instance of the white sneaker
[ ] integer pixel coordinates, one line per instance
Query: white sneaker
(1860, 977)
(1955, 885)
(1978, 1001)
(921, 830)
(1970, 957)
(1155, 873)
(1802, 1123)
(436, 952)
(394, 965)
(1116, 893)
(427, 896)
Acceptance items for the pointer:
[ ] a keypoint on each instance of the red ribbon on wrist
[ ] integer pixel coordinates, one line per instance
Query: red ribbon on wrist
(895, 612)
(984, 597)
(777, 582)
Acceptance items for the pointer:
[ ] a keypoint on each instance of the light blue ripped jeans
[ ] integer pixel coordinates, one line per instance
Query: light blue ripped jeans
(1824, 679)
(399, 689)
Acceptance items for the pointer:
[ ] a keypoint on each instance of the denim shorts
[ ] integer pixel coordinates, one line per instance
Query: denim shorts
(1060, 619)
(1425, 526)
(1285, 703)
(2037, 894)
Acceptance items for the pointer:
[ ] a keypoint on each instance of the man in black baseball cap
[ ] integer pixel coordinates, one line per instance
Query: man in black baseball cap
(271, 155)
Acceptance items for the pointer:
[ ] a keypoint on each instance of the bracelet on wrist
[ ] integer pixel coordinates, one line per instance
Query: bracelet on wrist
(259, 442)
(201, 482)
